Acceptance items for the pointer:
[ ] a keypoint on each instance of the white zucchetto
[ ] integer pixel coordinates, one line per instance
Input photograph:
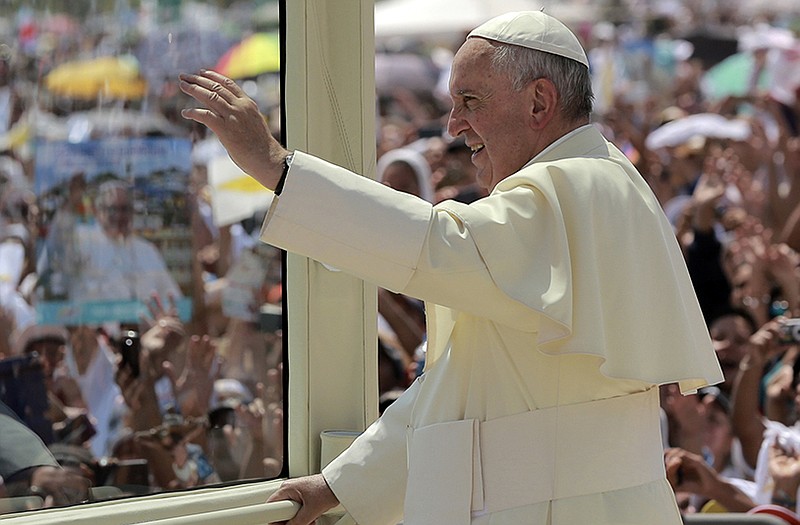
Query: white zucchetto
(534, 30)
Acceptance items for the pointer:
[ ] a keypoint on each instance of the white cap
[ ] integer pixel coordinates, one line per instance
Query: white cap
(35, 333)
(534, 30)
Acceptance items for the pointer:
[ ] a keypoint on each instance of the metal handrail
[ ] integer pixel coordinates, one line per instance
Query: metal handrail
(259, 514)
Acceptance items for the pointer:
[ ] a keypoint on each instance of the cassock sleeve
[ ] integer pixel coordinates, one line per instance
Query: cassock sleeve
(369, 478)
(404, 244)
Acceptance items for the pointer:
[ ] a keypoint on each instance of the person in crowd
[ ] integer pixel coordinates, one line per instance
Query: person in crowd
(242, 434)
(763, 272)
(12, 103)
(53, 396)
(90, 360)
(17, 310)
(703, 248)
(18, 213)
(189, 462)
(539, 300)
(393, 371)
(701, 424)
(778, 472)
(690, 474)
(724, 450)
(763, 400)
(406, 170)
(28, 467)
(730, 332)
(192, 418)
(58, 261)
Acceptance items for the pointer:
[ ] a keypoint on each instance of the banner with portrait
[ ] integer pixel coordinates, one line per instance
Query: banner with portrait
(114, 227)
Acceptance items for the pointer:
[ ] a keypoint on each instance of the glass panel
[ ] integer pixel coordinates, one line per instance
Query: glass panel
(141, 332)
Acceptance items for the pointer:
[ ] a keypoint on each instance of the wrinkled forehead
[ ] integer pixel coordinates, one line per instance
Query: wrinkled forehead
(474, 50)
(472, 62)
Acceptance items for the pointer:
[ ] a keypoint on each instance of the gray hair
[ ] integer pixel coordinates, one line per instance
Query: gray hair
(571, 78)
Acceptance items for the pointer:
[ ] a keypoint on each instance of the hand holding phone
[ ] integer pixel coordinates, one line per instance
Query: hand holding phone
(129, 349)
(790, 331)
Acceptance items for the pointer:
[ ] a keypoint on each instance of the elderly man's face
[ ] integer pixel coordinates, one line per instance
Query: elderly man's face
(116, 214)
(492, 116)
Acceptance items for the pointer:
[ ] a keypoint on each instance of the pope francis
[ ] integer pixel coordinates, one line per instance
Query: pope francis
(556, 305)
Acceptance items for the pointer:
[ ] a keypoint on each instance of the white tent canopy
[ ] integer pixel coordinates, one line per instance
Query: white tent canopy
(416, 18)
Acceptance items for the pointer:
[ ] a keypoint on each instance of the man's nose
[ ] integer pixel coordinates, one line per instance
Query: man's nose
(455, 124)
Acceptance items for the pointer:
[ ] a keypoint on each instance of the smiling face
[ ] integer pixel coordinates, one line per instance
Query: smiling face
(494, 118)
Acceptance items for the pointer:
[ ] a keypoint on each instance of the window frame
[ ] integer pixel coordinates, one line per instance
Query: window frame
(330, 365)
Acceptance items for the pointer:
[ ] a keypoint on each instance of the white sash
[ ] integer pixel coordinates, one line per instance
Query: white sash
(462, 467)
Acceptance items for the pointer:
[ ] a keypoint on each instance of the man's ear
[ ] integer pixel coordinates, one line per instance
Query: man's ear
(543, 102)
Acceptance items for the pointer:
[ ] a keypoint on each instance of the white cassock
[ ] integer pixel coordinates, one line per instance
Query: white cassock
(118, 269)
(555, 306)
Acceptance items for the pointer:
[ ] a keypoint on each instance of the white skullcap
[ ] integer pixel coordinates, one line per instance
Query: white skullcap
(534, 30)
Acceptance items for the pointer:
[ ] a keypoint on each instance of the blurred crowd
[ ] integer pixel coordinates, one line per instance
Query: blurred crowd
(170, 401)
(715, 134)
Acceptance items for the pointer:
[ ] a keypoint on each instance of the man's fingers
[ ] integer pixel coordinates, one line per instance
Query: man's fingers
(216, 91)
(203, 116)
(224, 81)
(204, 86)
(212, 107)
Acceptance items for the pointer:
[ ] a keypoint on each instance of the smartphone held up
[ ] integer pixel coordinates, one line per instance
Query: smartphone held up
(790, 331)
(129, 349)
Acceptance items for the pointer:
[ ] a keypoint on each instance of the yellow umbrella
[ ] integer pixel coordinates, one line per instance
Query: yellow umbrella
(259, 53)
(112, 77)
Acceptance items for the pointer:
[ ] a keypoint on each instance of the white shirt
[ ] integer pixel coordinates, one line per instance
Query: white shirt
(118, 269)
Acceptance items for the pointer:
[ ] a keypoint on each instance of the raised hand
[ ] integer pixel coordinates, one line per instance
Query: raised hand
(196, 383)
(236, 120)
